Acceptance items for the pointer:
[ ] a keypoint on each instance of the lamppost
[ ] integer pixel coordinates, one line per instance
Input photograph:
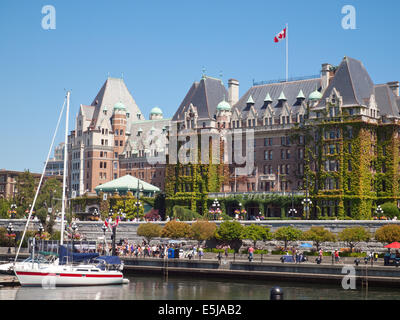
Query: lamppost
(13, 211)
(306, 202)
(114, 229)
(74, 228)
(10, 231)
(40, 229)
(137, 204)
(379, 211)
(95, 213)
(139, 187)
(292, 212)
(240, 209)
(215, 209)
(104, 228)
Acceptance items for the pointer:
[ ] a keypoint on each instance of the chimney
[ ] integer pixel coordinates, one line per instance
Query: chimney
(233, 91)
(394, 85)
(326, 74)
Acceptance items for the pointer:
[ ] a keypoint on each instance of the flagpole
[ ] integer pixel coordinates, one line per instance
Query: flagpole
(287, 52)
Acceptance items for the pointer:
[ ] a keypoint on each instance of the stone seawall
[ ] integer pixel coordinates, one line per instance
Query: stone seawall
(128, 230)
(377, 275)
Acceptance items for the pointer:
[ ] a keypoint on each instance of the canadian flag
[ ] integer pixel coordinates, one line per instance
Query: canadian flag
(107, 224)
(115, 224)
(280, 36)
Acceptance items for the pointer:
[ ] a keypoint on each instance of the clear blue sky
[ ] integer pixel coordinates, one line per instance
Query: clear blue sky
(161, 48)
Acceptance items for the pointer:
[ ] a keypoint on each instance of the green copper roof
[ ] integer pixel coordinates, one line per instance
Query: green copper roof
(126, 183)
(223, 105)
(315, 95)
(250, 100)
(282, 96)
(156, 110)
(119, 106)
(268, 98)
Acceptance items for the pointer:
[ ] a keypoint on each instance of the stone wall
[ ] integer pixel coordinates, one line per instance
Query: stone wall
(128, 230)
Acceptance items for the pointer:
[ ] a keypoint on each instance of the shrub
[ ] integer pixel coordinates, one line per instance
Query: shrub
(184, 214)
(149, 231)
(390, 210)
(175, 230)
(203, 230)
(388, 234)
(152, 215)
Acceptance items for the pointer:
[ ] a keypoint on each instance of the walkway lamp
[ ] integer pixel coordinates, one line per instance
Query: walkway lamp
(74, 228)
(13, 211)
(307, 204)
(292, 212)
(104, 228)
(40, 230)
(10, 232)
(379, 211)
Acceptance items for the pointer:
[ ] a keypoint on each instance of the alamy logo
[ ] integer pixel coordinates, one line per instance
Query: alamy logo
(349, 20)
(349, 280)
(49, 20)
(49, 282)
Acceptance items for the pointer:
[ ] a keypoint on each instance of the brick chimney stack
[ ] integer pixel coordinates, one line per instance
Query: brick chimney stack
(233, 91)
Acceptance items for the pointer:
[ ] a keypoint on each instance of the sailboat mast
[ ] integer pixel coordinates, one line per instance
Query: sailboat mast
(65, 171)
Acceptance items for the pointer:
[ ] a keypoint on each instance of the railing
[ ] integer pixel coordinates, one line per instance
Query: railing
(258, 83)
(255, 193)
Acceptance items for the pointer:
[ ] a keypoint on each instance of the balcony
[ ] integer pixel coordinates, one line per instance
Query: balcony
(214, 195)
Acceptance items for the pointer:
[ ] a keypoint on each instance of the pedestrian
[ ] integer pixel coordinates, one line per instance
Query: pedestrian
(219, 256)
(320, 255)
(336, 256)
(226, 252)
(201, 253)
(251, 250)
(294, 254)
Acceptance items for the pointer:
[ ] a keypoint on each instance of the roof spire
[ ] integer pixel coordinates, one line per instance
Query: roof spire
(301, 95)
(250, 100)
(282, 96)
(268, 98)
(203, 75)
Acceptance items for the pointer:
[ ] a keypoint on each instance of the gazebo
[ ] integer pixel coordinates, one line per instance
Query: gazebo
(126, 184)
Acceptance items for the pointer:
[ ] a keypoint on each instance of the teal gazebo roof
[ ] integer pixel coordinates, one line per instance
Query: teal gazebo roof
(125, 184)
(119, 106)
(156, 110)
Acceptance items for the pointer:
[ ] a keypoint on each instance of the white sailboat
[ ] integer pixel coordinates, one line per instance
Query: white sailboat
(67, 269)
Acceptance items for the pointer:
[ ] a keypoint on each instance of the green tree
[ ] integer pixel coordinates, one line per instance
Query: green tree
(175, 230)
(48, 198)
(128, 205)
(184, 214)
(149, 231)
(5, 205)
(256, 233)
(287, 234)
(203, 230)
(354, 235)
(388, 234)
(231, 232)
(319, 235)
(390, 210)
(26, 191)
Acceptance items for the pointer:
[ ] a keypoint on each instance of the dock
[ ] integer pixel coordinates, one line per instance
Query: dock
(8, 281)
